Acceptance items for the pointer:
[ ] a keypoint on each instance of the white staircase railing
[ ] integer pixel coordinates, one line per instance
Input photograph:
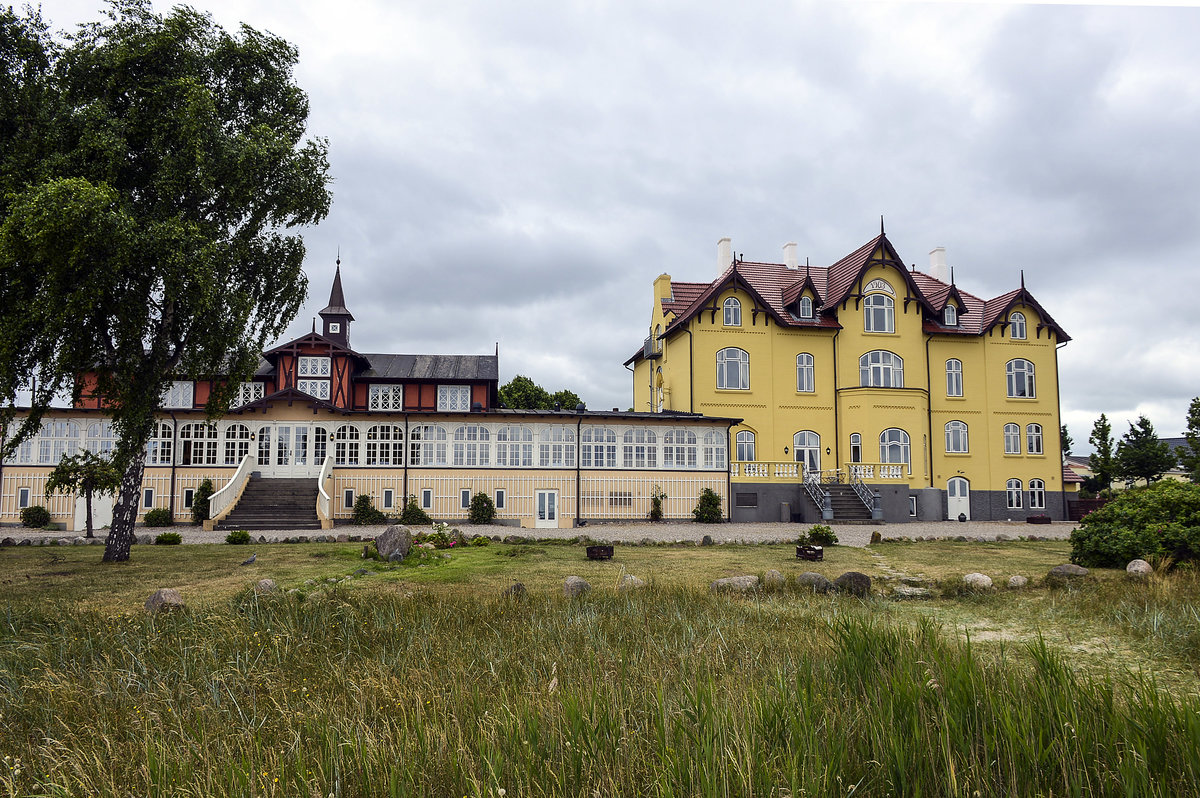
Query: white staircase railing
(324, 502)
(221, 503)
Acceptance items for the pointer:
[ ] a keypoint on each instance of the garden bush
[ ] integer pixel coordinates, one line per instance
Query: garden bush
(168, 539)
(365, 512)
(483, 509)
(159, 516)
(657, 496)
(822, 535)
(238, 537)
(35, 517)
(1161, 520)
(200, 502)
(708, 508)
(414, 515)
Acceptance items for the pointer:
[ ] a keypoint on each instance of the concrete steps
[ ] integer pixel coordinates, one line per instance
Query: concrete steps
(275, 504)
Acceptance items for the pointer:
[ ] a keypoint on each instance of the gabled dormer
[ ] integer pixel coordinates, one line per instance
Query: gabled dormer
(801, 298)
(336, 318)
(317, 366)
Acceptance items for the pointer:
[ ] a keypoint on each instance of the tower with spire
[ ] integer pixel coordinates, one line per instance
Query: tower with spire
(336, 318)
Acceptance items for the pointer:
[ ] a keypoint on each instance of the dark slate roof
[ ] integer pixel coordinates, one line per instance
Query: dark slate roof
(337, 300)
(433, 367)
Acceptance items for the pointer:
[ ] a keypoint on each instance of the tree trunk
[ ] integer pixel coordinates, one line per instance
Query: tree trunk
(87, 501)
(120, 535)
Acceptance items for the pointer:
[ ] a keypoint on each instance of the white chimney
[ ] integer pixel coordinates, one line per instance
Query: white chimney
(724, 254)
(790, 258)
(937, 264)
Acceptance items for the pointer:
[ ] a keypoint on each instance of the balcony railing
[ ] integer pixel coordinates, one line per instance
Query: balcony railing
(790, 471)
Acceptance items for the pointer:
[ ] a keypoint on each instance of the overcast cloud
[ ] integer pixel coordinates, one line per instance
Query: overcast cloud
(518, 173)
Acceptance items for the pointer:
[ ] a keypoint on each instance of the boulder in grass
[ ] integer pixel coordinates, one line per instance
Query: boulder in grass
(630, 582)
(854, 583)
(1017, 582)
(265, 587)
(1138, 569)
(815, 581)
(773, 580)
(575, 586)
(395, 540)
(735, 584)
(164, 599)
(1066, 571)
(978, 581)
(911, 593)
(8, 542)
(515, 590)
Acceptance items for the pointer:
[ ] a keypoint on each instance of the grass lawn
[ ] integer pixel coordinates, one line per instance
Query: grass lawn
(419, 679)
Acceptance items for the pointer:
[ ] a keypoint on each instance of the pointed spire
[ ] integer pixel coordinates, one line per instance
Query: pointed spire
(881, 225)
(337, 300)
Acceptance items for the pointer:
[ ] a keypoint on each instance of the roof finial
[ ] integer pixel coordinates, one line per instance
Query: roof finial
(881, 224)
(314, 323)
(1022, 279)
(951, 275)
(338, 262)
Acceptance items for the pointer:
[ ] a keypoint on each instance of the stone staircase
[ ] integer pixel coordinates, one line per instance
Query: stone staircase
(847, 507)
(275, 504)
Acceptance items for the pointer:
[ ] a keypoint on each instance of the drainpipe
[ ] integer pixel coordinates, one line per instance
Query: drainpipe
(1062, 486)
(691, 372)
(929, 411)
(634, 374)
(728, 476)
(407, 444)
(174, 452)
(837, 430)
(578, 466)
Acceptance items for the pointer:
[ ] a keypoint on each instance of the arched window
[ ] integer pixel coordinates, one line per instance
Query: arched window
(597, 447)
(954, 377)
(639, 448)
(197, 444)
(679, 449)
(320, 437)
(880, 313)
(345, 445)
(805, 373)
(514, 447)
(556, 447)
(714, 449)
(1037, 494)
(806, 307)
(733, 313)
(745, 446)
(1012, 439)
(1013, 492)
(806, 448)
(855, 447)
(1016, 326)
(427, 445)
(160, 447)
(956, 437)
(1033, 441)
(472, 445)
(733, 369)
(950, 316)
(237, 443)
(880, 369)
(101, 438)
(894, 447)
(1021, 384)
(385, 445)
(56, 440)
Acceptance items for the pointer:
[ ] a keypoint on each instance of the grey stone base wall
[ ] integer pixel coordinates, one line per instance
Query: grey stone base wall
(992, 505)
(770, 498)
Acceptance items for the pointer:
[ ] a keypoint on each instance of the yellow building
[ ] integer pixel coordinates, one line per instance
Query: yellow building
(865, 387)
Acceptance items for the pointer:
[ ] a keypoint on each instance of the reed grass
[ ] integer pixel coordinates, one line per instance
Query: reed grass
(669, 691)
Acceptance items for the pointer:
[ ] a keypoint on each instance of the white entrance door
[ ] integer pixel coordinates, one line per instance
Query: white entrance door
(287, 449)
(958, 498)
(547, 509)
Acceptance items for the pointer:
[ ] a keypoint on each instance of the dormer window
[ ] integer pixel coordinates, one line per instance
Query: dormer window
(1016, 328)
(733, 313)
(950, 316)
(806, 307)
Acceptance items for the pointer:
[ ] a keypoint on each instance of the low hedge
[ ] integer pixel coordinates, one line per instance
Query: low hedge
(1161, 520)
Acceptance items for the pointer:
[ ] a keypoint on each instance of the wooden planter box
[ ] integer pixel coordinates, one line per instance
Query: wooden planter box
(810, 553)
(599, 552)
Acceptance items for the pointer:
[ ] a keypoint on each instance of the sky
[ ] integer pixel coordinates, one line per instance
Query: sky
(516, 174)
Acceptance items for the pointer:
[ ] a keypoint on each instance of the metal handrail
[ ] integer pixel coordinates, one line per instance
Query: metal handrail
(812, 485)
(861, 489)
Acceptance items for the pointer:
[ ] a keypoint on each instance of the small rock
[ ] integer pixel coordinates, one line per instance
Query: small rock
(310, 581)
(1017, 582)
(1067, 571)
(773, 580)
(630, 582)
(262, 539)
(266, 586)
(1001, 538)
(575, 586)
(735, 584)
(960, 539)
(394, 540)
(332, 580)
(343, 538)
(164, 599)
(8, 542)
(913, 581)
(978, 581)
(854, 583)
(910, 593)
(876, 537)
(146, 540)
(706, 540)
(396, 557)
(1139, 569)
(23, 542)
(361, 572)
(515, 590)
(815, 581)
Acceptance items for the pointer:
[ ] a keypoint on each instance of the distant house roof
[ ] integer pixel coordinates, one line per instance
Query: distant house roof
(432, 367)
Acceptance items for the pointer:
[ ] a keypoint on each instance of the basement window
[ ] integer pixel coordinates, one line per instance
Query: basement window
(464, 498)
(348, 498)
(389, 498)
(148, 499)
(745, 499)
(426, 499)
(189, 496)
(500, 497)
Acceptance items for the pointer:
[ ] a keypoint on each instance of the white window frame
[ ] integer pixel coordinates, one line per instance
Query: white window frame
(248, 392)
(1012, 490)
(950, 316)
(472, 445)
(879, 314)
(954, 377)
(956, 437)
(57, 439)
(806, 449)
(385, 397)
(856, 447)
(389, 499)
(314, 366)
(556, 446)
(348, 498)
(745, 446)
(597, 447)
(454, 399)
(464, 499)
(24, 497)
(680, 449)
(346, 447)
(713, 449)
(1033, 439)
(101, 439)
(806, 307)
(160, 448)
(318, 389)
(426, 498)
(1012, 438)
(806, 380)
(147, 498)
(733, 369)
(731, 312)
(500, 497)
(427, 445)
(880, 368)
(639, 448)
(1016, 326)
(237, 443)
(895, 447)
(179, 395)
(1037, 494)
(189, 498)
(335, 327)
(384, 445)
(514, 447)
(1021, 379)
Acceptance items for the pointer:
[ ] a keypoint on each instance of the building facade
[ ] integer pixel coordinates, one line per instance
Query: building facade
(864, 373)
(391, 426)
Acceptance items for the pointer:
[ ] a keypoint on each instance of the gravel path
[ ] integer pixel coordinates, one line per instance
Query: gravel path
(778, 532)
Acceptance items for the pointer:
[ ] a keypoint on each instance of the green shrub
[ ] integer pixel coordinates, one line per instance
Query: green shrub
(414, 515)
(35, 517)
(483, 509)
(1161, 520)
(200, 502)
(481, 540)
(168, 539)
(365, 512)
(708, 508)
(657, 496)
(822, 535)
(238, 537)
(159, 516)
